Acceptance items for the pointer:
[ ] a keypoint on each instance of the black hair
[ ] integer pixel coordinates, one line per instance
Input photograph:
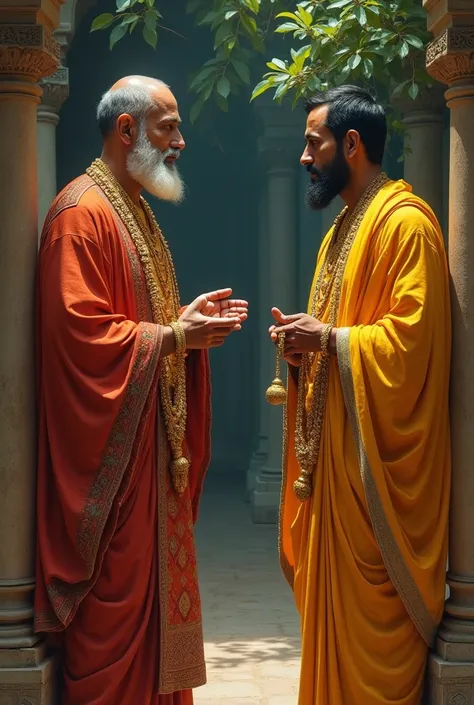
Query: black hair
(354, 108)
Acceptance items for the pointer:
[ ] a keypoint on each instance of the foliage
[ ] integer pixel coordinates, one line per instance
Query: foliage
(379, 43)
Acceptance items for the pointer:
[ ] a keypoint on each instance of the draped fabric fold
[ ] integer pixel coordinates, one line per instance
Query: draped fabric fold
(115, 542)
(367, 555)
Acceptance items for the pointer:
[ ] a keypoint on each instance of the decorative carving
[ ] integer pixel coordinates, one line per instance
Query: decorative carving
(55, 90)
(450, 57)
(27, 51)
(458, 699)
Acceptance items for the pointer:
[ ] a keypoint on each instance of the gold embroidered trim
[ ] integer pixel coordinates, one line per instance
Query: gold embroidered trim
(396, 567)
(285, 566)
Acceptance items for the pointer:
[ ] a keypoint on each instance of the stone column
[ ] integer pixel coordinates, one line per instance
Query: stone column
(27, 54)
(280, 150)
(55, 92)
(259, 456)
(450, 59)
(423, 120)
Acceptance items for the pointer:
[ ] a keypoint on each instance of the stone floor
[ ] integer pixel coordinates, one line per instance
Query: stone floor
(250, 622)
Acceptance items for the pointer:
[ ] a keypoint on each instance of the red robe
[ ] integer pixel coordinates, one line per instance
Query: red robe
(116, 562)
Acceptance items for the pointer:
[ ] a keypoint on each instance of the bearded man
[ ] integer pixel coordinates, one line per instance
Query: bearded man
(124, 419)
(367, 461)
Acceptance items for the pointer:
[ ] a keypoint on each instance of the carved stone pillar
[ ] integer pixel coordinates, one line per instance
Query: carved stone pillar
(27, 54)
(450, 59)
(280, 150)
(423, 120)
(55, 92)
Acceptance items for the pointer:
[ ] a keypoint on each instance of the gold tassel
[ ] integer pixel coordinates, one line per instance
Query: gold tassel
(276, 392)
(179, 473)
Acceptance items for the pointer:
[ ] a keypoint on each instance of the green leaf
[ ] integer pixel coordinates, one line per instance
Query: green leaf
(196, 111)
(306, 16)
(403, 49)
(368, 68)
(360, 15)
(223, 33)
(354, 62)
(414, 41)
(231, 14)
(117, 34)
(150, 36)
(130, 19)
(260, 88)
(102, 21)
(223, 87)
(249, 24)
(277, 65)
(123, 5)
(242, 70)
(413, 91)
(338, 4)
(286, 27)
(151, 20)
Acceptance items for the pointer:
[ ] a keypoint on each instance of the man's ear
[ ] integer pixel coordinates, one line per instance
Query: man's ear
(126, 128)
(352, 140)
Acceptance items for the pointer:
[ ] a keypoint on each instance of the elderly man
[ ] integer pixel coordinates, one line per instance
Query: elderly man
(124, 397)
(367, 473)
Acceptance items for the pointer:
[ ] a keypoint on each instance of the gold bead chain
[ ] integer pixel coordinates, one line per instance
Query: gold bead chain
(163, 292)
(327, 290)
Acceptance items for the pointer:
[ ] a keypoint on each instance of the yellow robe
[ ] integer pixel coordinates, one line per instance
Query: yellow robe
(366, 555)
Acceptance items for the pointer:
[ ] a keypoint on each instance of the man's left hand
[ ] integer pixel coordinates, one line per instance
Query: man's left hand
(303, 332)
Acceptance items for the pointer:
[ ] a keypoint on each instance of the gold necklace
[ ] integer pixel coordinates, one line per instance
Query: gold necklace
(309, 422)
(163, 293)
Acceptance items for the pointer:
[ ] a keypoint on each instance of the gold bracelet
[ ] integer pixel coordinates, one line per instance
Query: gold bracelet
(325, 337)
(180, 337)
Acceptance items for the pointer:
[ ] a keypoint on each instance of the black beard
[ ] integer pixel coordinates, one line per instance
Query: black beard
(329, 183)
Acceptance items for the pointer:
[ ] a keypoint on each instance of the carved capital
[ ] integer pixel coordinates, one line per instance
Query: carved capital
(27, 52)
(55, 91)
(450, 57)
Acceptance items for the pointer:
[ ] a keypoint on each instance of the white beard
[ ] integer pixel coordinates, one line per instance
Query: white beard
(146, 165)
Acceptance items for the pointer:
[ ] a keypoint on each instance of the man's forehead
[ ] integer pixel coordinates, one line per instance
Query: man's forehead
(316, 122)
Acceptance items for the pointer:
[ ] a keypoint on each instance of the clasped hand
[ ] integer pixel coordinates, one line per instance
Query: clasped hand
(211, 318)
(302, 334)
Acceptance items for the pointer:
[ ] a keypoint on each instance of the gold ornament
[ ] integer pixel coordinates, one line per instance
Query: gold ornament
(315, 367)
(163, 292)
(179, 471)
(276, 392)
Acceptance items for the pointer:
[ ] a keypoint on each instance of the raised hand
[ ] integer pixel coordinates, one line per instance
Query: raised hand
(221, 306)
(205, 331)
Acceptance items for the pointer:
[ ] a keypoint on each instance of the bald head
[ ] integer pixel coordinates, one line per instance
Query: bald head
(135, 96)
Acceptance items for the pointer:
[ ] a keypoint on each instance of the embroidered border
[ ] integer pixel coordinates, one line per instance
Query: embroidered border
(285, 566)
(68, 198)
(397, 569)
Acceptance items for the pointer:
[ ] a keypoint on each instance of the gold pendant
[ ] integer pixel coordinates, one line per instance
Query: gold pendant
(276, 392)
(179, 474)
(303, 486)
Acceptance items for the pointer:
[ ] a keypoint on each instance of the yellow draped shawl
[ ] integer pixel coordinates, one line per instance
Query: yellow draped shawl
(366, 556)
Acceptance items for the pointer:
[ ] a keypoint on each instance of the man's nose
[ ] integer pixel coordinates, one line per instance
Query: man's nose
(178, 143)
(306, 159)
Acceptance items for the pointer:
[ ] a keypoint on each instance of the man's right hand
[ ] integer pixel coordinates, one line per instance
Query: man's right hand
(204, 332)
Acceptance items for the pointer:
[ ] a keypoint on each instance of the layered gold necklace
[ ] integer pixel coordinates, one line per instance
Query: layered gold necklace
(315, 366)
(163, 293)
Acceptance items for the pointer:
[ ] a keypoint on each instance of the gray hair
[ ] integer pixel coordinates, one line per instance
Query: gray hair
(135, 101)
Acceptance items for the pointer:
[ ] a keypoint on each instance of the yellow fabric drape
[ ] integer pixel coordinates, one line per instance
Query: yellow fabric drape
(366, 556)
